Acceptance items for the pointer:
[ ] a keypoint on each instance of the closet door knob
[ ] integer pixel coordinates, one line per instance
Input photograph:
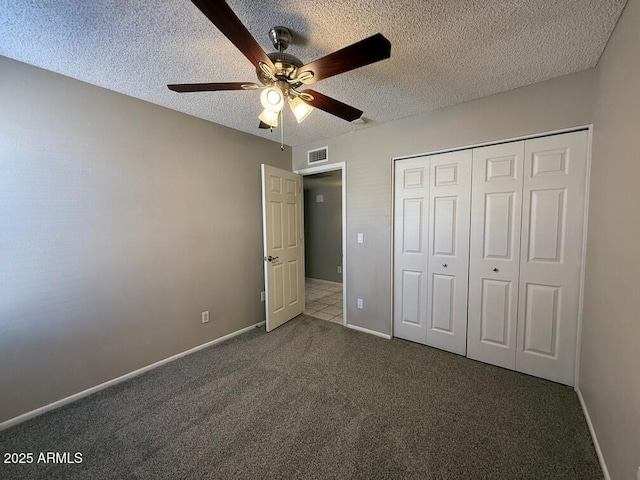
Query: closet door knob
(444, 265)
(495, 269)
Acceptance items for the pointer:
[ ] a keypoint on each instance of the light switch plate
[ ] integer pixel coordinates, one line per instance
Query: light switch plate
(361, 238)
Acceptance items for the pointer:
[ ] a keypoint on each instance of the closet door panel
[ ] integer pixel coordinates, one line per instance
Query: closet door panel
(498, 225)
(410, 249)
(495, 253)
(449, 200)
(551, 257)
(497, 308)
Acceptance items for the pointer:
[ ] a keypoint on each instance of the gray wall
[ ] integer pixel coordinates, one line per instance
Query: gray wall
(555, 104)
(323, 233)
(610, 357)
(120, 222)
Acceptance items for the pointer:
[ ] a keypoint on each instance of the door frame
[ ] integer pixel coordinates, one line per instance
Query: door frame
(329, 168)
(583, 265)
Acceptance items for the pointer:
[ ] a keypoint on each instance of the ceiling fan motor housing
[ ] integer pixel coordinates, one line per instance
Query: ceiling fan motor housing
(286, 66)
(285, 63)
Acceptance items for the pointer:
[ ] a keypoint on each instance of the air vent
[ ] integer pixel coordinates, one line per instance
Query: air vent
(318, 155)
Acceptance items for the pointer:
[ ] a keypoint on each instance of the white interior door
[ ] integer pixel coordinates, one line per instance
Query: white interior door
(410, 249)
(282, 234)
(448, 269)
(551, 257)
(495, 253)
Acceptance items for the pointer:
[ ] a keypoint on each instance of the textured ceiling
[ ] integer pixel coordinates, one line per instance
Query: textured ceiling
(443, 52)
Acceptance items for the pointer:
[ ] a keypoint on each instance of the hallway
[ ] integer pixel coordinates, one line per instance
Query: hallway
(323, 300)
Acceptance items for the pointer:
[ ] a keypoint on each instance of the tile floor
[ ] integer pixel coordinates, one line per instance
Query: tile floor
(323, 300)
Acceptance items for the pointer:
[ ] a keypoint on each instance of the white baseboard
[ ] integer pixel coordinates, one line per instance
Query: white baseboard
(596, 444)
(77, 396)
(370, 332)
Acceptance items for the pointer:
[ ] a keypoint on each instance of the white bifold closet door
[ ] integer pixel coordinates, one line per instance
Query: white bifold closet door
(494, 265)
(553, 211)
(432, 208)
(526, 252)
(410, 253)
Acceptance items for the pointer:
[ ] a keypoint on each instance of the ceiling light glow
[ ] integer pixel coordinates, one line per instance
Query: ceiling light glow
(269, 117)
(300, 109)
(272, 99)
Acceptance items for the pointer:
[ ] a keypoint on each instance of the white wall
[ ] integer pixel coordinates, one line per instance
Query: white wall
(120, 222)
(610, 358)
(555, 104)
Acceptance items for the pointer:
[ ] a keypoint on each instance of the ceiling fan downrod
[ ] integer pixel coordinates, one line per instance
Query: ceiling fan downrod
(280, 37)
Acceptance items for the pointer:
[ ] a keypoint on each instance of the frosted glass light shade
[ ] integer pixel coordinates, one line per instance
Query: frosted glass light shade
(272, 99)
(268, 117)
(300, 109)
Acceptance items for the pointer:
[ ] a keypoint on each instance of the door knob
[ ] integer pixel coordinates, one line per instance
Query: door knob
(272, 259)
(495, 269)
(444, 265)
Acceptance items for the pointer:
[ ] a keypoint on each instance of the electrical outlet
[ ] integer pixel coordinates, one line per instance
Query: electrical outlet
(262, 296)
(339, 268)
(205, 316)
(360, 303)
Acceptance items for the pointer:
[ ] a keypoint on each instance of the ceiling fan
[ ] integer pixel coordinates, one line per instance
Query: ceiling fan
(281, 74)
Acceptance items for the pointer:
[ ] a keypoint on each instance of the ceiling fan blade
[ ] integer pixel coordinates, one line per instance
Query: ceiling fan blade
(264, 125)
(230, 25)
(212, 87)
(333, 106)
(364, 52)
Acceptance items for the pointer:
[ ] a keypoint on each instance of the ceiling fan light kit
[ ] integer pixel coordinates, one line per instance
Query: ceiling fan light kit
(282, 74)
(272, 99)
(300, 109)
(269, 117)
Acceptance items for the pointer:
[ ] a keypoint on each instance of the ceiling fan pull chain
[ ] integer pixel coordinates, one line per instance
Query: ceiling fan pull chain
(281, 132)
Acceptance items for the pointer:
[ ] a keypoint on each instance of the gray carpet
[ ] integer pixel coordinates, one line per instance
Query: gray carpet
(315, 400)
